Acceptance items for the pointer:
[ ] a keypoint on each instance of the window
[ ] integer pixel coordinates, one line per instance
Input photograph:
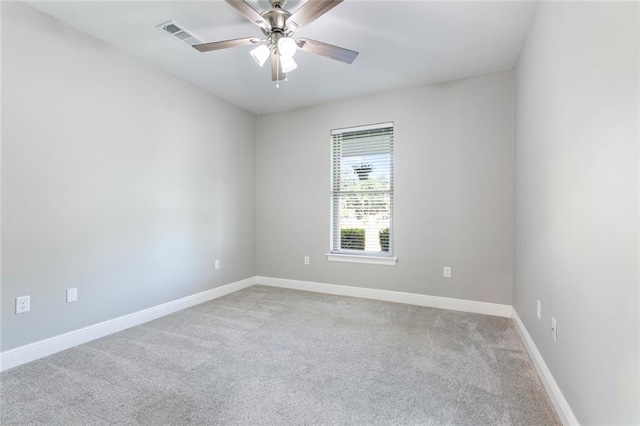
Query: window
(362, 194)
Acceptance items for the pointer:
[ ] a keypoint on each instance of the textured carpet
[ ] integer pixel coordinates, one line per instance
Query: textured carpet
(277, 357)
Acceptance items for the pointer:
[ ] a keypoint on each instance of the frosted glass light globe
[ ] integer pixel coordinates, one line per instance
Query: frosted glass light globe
(287, 47)
(288, 64)
(260, 54)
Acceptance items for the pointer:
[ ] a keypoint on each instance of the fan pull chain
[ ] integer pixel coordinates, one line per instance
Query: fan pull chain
(277, 71)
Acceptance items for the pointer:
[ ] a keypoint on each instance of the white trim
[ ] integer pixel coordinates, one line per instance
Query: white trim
(557, 398)
(354, 258)
(42, 348)
(391, 296)
(361, 128)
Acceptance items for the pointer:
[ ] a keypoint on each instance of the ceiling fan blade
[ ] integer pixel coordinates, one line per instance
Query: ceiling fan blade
(330, 51)
(217, 45)
(248, 12)
(310, 11)
(276, 68)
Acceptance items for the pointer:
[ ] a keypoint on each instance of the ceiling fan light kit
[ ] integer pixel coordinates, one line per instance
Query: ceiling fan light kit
(287, 64)
(287, 47)
(260, 54)
(278, 25)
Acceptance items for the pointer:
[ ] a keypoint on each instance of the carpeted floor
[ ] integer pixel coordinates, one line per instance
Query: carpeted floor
(268, 356)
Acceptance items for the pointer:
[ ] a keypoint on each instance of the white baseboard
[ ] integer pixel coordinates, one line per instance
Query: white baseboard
(391, 296)
(42, 348)
(560, 403)
(557, 398)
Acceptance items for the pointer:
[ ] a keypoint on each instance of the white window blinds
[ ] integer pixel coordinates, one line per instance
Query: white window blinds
(362, 190)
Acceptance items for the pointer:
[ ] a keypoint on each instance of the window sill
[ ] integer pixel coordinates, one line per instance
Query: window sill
(353, 258)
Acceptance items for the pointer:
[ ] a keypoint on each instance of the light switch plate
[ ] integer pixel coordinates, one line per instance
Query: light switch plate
(72, 295)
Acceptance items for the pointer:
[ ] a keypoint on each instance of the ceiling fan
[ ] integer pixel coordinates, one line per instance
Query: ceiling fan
(279, 25)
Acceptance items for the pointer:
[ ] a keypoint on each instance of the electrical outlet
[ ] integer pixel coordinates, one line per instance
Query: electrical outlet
(217, 264)
(538, 309)
(72, 295)
(23, 304)
(446, 272)
(306, 260)
(554, 329)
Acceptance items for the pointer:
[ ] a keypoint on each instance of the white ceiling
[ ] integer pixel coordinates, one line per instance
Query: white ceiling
(401, 44)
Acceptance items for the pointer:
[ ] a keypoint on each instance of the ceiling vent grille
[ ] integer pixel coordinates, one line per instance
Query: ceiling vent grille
(177, 32)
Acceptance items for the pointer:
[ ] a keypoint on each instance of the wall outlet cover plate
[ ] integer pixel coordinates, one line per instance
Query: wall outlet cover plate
(23, 304)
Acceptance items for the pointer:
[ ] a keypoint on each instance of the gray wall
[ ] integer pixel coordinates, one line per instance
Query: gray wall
(576, 202)
(117, 179)
(453, 190)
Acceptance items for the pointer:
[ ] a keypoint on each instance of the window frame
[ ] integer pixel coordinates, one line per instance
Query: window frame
(358, 256)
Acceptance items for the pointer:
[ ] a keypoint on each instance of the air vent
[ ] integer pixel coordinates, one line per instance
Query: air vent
(177, 32)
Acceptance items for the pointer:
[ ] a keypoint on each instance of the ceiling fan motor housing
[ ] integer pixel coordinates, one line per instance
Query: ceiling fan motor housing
(276, 18)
